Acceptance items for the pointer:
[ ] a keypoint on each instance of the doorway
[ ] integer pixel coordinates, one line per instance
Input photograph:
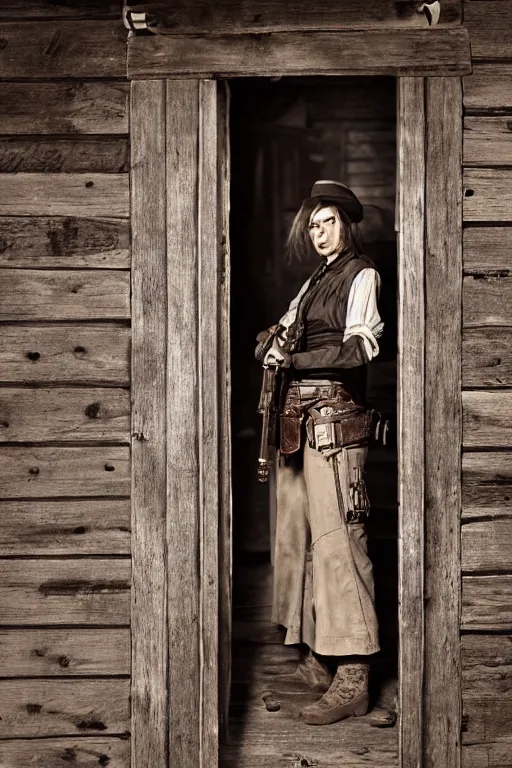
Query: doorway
(285, 134)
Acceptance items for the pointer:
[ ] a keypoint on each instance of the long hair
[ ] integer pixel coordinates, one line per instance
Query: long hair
(299, 246)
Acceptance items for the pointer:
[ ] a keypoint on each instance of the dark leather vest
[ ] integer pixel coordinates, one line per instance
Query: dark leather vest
(322, 313)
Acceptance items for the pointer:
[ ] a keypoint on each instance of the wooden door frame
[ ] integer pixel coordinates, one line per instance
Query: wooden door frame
(180, 427)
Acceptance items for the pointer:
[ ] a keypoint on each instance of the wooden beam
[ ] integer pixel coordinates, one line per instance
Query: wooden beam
(64, 414)
(66, 194)
(443, 422)
(487, 21)
(67, 242)
(64, 591)
(487, 484)
(487, 546)
(487, 141)
(84, 527)
(411, 375)
(487, 194)
(65, 354)
(150, 707)
(74, 9)
(487, 250)
(64, 652)
(487, 357)
(486, 299)
(46, 50)
(487, 419)
(48, 472)
(35, 294)
(222, 17)
(489, 86)
(210, 486)
(64, 108)
(487, 603)
(87, 752)
(350, 52)
(183, 462)
(70, 155)
(30, 708)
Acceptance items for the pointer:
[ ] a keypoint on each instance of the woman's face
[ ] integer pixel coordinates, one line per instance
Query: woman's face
(326, 231)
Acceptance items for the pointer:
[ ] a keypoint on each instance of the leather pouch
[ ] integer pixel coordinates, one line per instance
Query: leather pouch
(290, 428)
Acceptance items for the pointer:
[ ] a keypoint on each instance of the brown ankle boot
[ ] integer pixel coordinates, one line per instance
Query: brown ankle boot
(347, 695)
(310, 672)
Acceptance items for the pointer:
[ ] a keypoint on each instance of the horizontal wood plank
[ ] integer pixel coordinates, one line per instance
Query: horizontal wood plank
(64, 652)
(68, 194)
(86, 752)
(489, 86)
(74, 9)
(56, 49)
(487, 485)
(64, 108)
(487, 357)
(48, 472)
(487, 419)
(75, 591)
(224, 17)
(487, 250)
(86, 527)
(31, 708)
(64, 414)
(91, 155)
(487, 721)
(488, 141)
(64, 295)
(487, 602)
(64, 354)
(487, 194)
(350, 52)
(259, 738)
(487, 546)
(487, 299)
(486, 665)
(64, 242)
(492, 755)
(488, 21)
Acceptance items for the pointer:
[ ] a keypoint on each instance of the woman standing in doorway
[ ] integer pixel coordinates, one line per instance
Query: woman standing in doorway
(323, 579)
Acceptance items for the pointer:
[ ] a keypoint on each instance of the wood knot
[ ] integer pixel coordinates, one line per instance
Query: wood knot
(89, 184)
(69, 755)
(79, 351)
(103, 760)
(33, 356)
(34, 470)
(469, 192)
(3, 43)
(80, 529)
(89, 724)
(34, 709)
(64, 661)
(109, 467)
(464, 723)
(93, 411)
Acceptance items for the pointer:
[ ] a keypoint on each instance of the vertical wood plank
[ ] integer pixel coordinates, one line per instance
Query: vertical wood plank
(183, 501)
(443, 435)
(209, 484)
(149, 496)
(411, 331)
(225, 522)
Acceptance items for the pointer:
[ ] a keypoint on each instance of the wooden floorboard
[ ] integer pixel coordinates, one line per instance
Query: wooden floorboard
(265, 728)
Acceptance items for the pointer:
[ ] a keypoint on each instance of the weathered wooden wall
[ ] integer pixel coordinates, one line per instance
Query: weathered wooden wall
(487, 396)
(64, 386)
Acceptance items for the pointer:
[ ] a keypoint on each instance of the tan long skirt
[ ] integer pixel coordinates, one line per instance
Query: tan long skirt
(323, 577)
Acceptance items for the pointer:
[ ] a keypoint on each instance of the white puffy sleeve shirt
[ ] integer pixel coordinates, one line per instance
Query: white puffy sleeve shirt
(362, 319)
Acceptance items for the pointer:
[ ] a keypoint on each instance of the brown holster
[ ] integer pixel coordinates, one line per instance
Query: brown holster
(332, 418)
